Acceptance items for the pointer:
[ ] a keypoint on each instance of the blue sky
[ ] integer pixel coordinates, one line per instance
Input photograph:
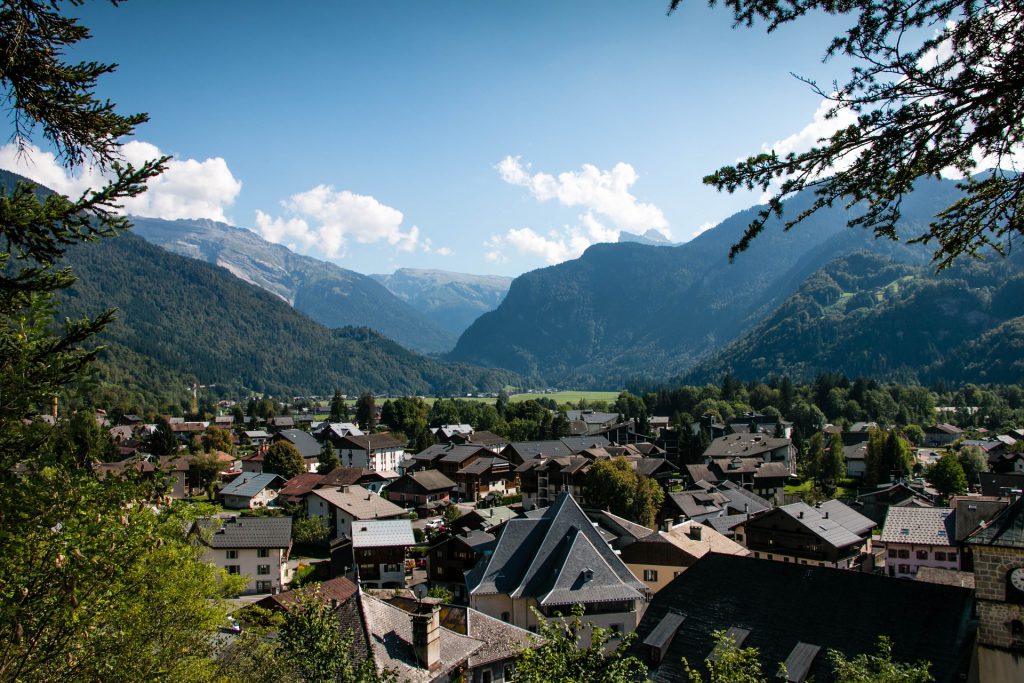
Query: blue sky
(466, 136)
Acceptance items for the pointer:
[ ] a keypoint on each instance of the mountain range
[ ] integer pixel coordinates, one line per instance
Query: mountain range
(329, 294)
(181, 320)
(451, 300)
(632, 311)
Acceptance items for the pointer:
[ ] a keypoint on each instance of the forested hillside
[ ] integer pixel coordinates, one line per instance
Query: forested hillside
(180, 319)
(866, 315)
(632, 310)
(327, 293)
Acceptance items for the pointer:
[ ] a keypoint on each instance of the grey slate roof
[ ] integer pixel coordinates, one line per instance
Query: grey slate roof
(924, 526)
(544, 557)
(579, 443)
(822, 606)
(380, 533)
(847, 517)
(249, 484)
(1006, 530)
(743, 445)
(827, 529)
(246, 532)
(304, 442)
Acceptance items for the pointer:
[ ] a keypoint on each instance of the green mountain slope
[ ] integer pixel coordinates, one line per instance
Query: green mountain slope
(329, 294)
(866, 315)
(631, 310)
(451, 300)
(179, 316)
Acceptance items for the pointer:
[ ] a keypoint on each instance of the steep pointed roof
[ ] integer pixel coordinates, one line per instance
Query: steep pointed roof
(1006, 530)
(534, 554)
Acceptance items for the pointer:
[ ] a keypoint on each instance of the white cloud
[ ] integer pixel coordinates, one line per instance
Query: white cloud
(702, 228)
(609, 206)
(323, 221)
(187, 189)
(602, 192)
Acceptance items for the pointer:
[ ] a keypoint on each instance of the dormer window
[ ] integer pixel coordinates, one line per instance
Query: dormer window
(588, 575)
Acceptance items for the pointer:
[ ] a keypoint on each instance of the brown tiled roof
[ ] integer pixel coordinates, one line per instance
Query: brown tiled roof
(301, 484)
(373, 441)
(339, 589)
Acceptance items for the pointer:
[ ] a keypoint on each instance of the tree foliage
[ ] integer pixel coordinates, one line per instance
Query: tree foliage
(614, 485)
(947, 476)
(730, 663)
(935, 89)
(558, 655)
(878, 667)
(283, 458)
(328, 459)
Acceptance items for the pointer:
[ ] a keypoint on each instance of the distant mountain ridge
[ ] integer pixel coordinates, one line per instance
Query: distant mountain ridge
(181, 319)
(652, 237)
(330, 294)
(624, 311)
(451, 300)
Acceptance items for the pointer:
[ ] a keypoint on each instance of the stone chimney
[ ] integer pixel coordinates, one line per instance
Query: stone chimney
(695, 531)
(426, 633)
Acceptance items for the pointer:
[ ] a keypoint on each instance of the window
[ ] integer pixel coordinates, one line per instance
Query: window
(922, 554)
(650, 575)
(262, 586)
(263, 569)
(940, 556)
(231, 554)
(903, 569)
(739, 538)
(506, 617)
(951, 557)
(233, 569)
(770, 556)
(892, 552)
(904, 554)
(757, 555)
(263, 552)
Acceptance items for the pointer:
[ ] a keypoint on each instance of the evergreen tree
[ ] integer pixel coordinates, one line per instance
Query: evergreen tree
(366, 408)
(835, 463)
(329, 459)
(163, 441)
(338, 410)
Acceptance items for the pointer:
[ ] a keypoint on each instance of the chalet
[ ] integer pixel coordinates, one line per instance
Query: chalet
(453, 555)
(485, 476)
(942, 434)
(454, 458)
(543, 479)
(367, 478)
(185, 481)
(519, 452)
(281, 422)
(444, 433)
(705, 501)
(482, 519)
(249, 490)
(764, 448)
(425, 489)
(486, 439)
(831, 534)
(343, 506)
(766, 479)
(336, 431)
(875, 504)
(381, 452)
(660, 556)
(752, 601)
(296, 489)
(257, 437)
(336, 591)
(550, 562)
(375, 554)
(256, 547)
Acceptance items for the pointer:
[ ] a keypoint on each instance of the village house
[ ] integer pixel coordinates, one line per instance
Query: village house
(552, 561)
(543, 479)
(486, 476)
(425, 490)
(304, 443)
(381, 452)
(919, 537)
(829, 535)
(343, 506)
(764, 448)
(249, 491)
(255, 547)
(375, 554)
(453, 555)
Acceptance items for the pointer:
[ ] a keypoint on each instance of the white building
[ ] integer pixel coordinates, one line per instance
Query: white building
(255, 547)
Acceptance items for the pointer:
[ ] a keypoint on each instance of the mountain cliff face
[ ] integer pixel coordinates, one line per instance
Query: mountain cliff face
(452, 301)
(331, 295)
(630, 310)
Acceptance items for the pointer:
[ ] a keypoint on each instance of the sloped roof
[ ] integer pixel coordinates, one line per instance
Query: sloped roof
(1005, 531)
(373, 442)
(379, 533)
(843, 610)
(743, 445)
(304, 442)
(481, 465)
(389, 629)
(338, 589)
(533, 555)
(359, 503)
(246, 532)
(828, 530)
(342, 476)
(583, 576)
(301, 484)
(249, 484)
(847, 516)
(431, 480)
(925, 526)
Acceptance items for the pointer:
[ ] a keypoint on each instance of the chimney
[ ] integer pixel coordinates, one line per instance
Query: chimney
(426, 633)
(344, 488)
(695, 531)
(800, 515)
(826, 514)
